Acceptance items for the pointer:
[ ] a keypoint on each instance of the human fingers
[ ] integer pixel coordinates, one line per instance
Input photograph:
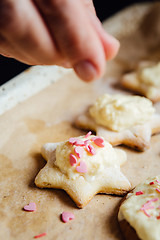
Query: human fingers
(111, 44)
(6, 49)
(23, 41)
(89, 5)
(26, 35)
(74, 36)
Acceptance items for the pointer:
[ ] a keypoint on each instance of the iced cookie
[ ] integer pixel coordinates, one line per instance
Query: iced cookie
(139, 213)
(83, 166)
(122, 119)
(145, 80)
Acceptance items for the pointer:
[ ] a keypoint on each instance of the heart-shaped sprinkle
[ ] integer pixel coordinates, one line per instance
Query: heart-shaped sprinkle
(79, 151)
(99, 141)
(31, 207)
(72, 159)
(93, 138)
(91, 149)
(82, 167)
(86, 142)
(88, 134)
(72, 140)
(66, 216)
(79, 142)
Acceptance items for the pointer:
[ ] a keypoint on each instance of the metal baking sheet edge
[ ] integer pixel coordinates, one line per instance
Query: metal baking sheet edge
(27, 84)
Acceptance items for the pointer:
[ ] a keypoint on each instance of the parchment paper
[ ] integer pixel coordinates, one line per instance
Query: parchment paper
(48, 117)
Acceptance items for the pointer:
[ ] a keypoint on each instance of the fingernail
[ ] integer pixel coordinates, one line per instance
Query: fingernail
(86, 70)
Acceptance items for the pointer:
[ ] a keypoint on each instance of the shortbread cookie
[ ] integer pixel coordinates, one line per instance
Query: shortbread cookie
(122, 119)
(139, 213)
(144, 80)
(83, 167)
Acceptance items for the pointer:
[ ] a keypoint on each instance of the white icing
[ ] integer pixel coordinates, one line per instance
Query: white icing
(105, 157)
(147, 227)
(150, 75)
(119, 112)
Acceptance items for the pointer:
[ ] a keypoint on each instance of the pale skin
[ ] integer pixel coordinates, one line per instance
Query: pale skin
(56, 32)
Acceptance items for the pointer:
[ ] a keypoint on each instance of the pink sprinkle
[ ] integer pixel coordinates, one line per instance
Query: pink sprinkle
(40, 235)
(79, 151)
(72, 159)
(149, 202)
(72, 140)
(82, 167)
(93, 138)
(147, 206)
(91, 149)
(31, 207)
(86, 142)
(151, 183)
(66, 216)
(153, 200)
(158, 190)
(146, 213)
(159, 207)
(99, 142)
(143, 209)
(158, 217)
(139, 193)
(158, 181)
(88, 134)
(79, 142)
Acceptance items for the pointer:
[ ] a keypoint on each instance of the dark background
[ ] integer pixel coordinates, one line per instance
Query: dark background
(104, 9)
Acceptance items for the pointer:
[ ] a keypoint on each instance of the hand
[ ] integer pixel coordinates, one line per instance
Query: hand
(61, 32)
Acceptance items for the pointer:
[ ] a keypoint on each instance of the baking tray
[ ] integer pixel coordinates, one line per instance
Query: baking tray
(40, 106)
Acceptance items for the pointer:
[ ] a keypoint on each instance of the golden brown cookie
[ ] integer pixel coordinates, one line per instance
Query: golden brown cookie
(122, 119)
(145, 80)
(139, 213)
(83, 167)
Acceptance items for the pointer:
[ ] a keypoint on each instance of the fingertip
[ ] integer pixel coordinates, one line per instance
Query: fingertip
(111, 46)
(87, 71)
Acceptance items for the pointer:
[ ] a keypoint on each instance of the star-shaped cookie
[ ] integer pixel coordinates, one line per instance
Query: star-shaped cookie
(83, 167)
(137, 136)
(139, 212)
(144, 80)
